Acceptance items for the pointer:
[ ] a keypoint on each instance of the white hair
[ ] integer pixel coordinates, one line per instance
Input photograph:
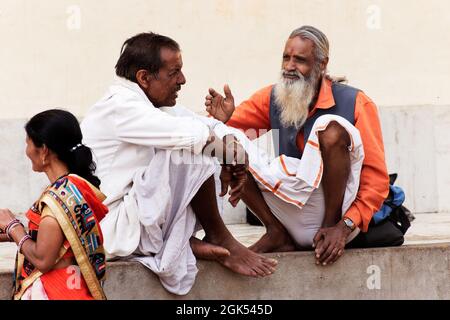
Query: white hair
(293, 97)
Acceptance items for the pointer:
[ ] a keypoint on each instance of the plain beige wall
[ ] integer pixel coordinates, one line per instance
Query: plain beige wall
(60, 53)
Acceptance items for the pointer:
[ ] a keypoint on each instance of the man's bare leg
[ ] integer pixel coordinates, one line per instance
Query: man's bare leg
(207, 251)
(240, 259)
(276, 238)
(334, 142)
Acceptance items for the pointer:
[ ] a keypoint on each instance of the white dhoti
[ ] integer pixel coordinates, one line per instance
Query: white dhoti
(154, 222)
(292, 187)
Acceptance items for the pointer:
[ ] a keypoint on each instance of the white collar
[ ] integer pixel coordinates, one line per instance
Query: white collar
(130, 85)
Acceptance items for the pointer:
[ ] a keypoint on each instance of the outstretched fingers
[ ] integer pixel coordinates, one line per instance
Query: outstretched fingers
(227, 91)
(213, 93)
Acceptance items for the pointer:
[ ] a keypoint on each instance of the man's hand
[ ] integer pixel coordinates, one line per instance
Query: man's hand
(233, 152)
(330, 243)
(219, 107)
(226, 175)
(234, 170)
(234, 177)
(237, 184)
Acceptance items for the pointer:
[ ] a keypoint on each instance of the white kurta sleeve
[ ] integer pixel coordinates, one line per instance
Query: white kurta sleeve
(144, 125)
(219, 128)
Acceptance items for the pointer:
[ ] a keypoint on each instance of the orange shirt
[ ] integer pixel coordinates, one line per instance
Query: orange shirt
(374, 181)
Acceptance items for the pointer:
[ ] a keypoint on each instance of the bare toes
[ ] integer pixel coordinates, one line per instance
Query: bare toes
(271, 262)
(266, 270)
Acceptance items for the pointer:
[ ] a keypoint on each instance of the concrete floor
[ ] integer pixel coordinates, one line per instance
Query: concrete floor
(427, 228)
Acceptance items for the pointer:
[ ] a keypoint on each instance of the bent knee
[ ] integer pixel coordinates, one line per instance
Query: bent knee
(334, 135)
(304, 238)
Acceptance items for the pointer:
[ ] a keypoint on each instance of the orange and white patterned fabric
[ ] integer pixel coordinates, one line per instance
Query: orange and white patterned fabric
(293, 180)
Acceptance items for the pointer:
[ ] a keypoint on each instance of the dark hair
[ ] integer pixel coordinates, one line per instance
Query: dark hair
(60, 131)
(143, 51)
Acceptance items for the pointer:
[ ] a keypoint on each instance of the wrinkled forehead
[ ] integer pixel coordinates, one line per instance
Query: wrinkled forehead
(299, 46)
(171, 57)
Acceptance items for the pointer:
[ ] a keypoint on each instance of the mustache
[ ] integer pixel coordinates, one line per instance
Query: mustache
(295, 74)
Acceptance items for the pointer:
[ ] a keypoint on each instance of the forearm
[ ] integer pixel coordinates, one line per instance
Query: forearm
(37, 256)
(4, 238)
(330, 219)
(163, 131)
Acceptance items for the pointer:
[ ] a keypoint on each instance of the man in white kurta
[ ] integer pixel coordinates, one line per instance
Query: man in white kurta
(157, 179)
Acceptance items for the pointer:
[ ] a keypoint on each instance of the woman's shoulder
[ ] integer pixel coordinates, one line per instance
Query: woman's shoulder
(85, 184)
(53, 192)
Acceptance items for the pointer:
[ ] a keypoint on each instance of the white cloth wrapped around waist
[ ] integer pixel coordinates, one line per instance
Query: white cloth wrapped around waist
(154, 222)
(293, 180)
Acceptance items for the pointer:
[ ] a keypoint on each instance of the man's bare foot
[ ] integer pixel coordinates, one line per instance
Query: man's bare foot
(207, 251)
(274, 241)
(243, 261)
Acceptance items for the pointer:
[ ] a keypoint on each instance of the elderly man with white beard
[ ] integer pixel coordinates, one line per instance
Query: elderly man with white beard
(329, 176)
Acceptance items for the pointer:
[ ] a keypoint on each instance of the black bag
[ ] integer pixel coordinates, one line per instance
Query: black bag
(390, 231)
(400, 216)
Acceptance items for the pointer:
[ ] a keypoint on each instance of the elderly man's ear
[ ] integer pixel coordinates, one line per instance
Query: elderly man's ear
(323, 64)
(144, 77)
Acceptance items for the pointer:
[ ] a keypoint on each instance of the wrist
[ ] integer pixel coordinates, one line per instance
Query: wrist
(347, 224)
(22, 241)
(229, 138)
(228, 117)
(214, 146)
(17, 233)
(230, 147)
(10, 226)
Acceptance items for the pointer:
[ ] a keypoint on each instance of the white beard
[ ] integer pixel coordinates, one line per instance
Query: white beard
(294, 97)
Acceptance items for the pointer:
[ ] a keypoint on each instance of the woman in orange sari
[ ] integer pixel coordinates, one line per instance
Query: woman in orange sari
(61, 256)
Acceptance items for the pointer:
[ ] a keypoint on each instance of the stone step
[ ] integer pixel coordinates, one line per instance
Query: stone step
(420, 269)
(427, 228)
(407, 272)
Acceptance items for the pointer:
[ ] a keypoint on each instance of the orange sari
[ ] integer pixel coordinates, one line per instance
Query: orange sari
(78, 208)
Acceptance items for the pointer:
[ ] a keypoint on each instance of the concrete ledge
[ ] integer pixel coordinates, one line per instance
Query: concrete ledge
(408, 272)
